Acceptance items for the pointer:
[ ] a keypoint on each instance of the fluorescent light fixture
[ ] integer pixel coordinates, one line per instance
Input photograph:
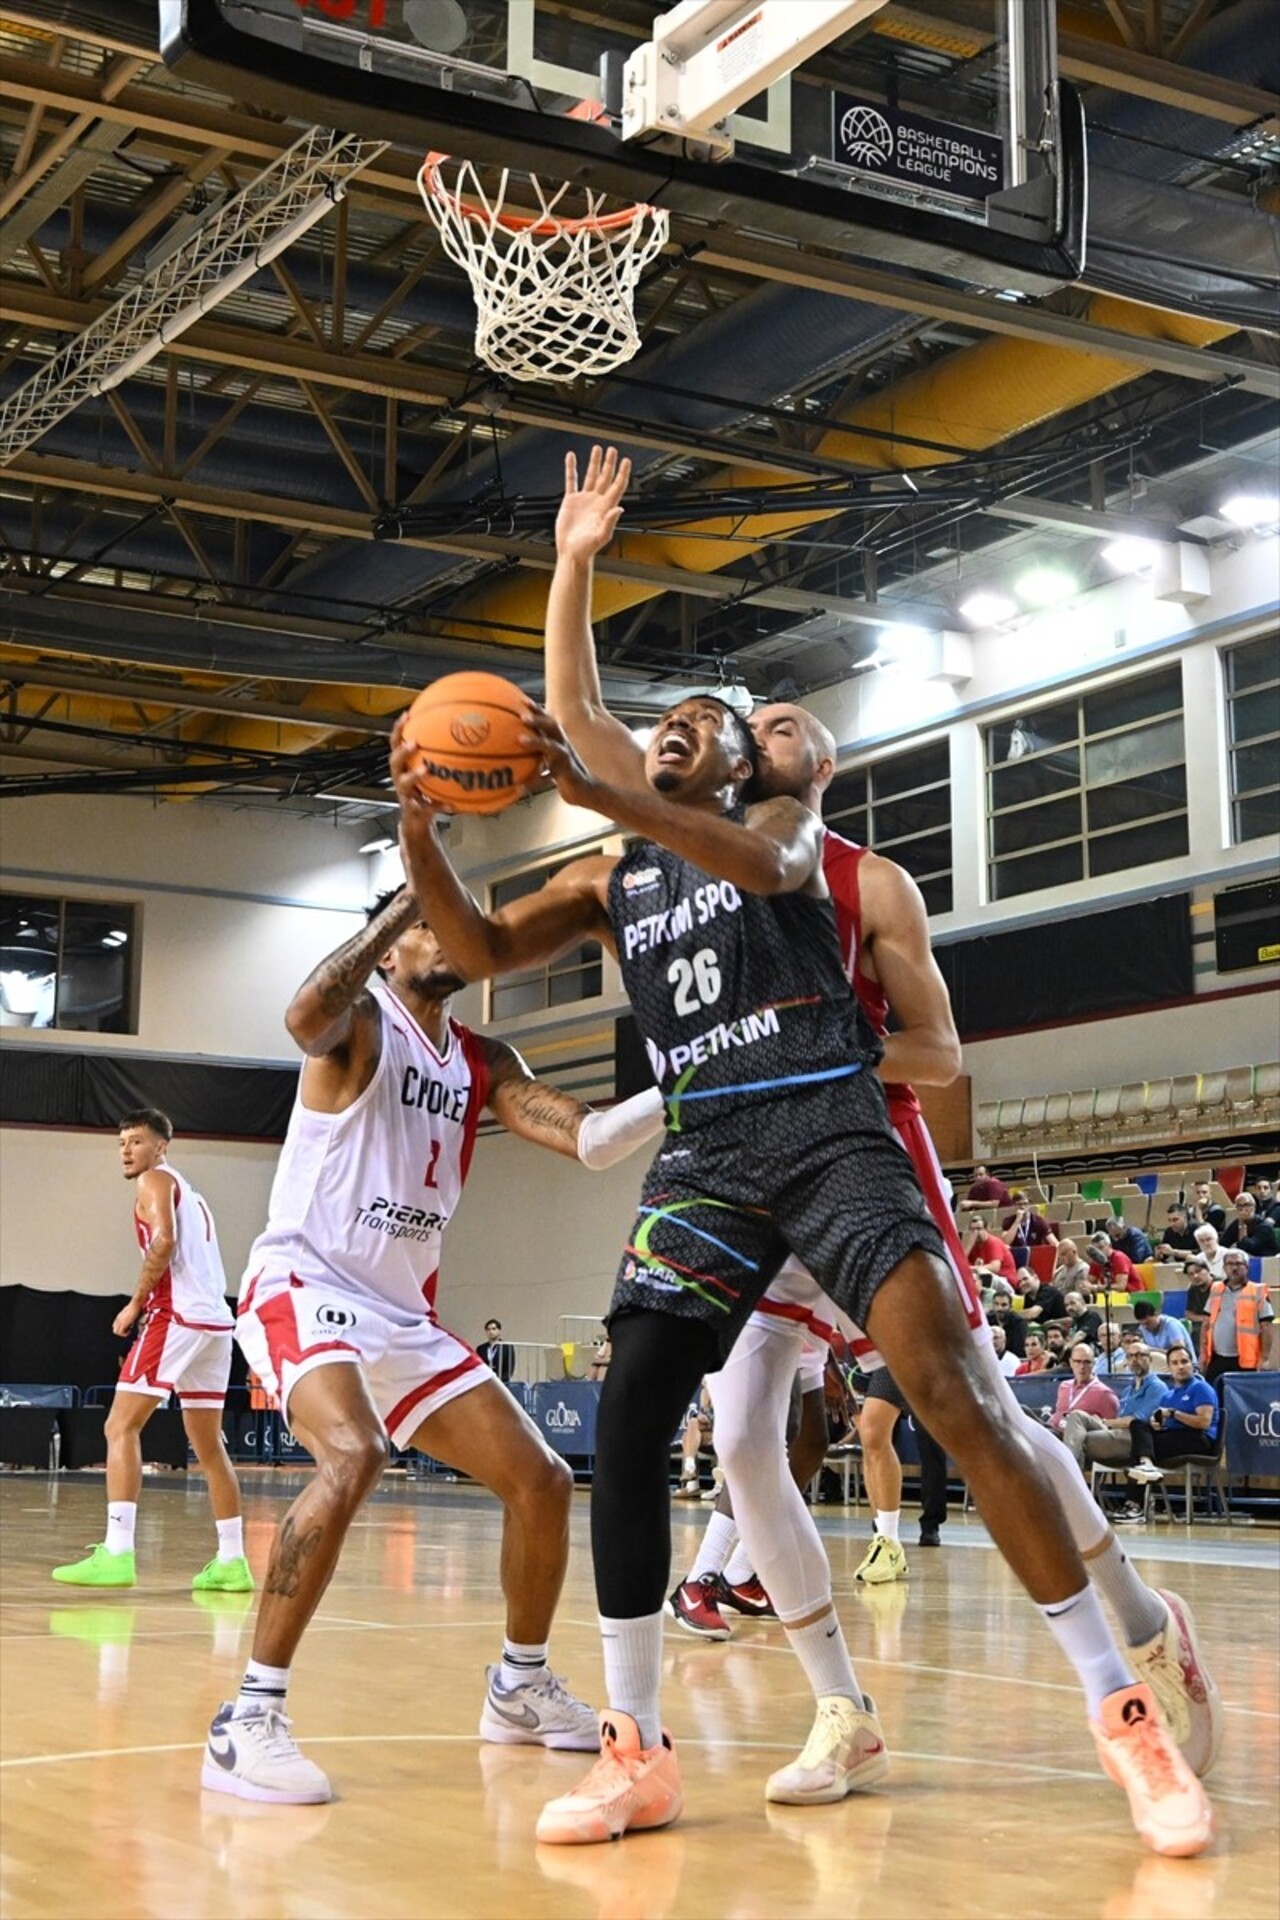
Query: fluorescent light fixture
(1046, 587)
(900, 644)
(984, 609)
(1255, 511)
(383, 844)
(116, 938)
(1130, 554)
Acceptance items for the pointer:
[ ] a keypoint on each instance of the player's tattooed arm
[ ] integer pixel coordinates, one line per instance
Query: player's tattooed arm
(324, 1010)
(530, 1107)
(288, 1562)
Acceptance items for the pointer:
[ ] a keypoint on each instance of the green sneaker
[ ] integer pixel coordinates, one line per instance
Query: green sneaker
(224, 1576)
(101, 1569)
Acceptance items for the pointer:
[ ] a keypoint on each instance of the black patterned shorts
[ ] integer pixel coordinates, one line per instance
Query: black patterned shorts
(817, 1173)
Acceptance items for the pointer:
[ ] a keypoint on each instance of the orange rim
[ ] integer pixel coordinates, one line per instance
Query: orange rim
(431, 184)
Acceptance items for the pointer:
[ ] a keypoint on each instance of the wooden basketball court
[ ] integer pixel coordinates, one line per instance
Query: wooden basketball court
(995, 1806)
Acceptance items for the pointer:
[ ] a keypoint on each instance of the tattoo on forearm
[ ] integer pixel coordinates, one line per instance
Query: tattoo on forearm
(339, 980)
(545, 1108)
(293, 1550)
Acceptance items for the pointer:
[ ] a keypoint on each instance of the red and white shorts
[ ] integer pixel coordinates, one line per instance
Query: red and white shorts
(288, 1326)
(168, 1357)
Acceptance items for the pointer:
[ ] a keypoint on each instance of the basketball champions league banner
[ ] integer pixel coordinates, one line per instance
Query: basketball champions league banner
(890, 143)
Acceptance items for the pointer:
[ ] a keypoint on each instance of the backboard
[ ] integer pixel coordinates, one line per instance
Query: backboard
(947, 150)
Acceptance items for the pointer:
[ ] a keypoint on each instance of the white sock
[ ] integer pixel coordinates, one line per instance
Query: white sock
(689, 1467)
(633, 1671)
(522, 1662)
(122, 1517)
(740, 1566)
(261, 1687)
(820, 1648)
(715, 1546)
(887, 1524)
(1140, 1612)
(1080, 1628)
(230, 1539)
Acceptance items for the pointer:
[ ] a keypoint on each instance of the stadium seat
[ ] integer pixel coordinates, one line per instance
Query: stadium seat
(1157, 1102)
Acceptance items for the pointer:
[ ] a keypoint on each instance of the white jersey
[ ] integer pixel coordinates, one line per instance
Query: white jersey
(193, 1287)
(361, 1198)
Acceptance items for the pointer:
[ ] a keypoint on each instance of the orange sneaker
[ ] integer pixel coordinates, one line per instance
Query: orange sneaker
(1137, 1751)
(628, 1788)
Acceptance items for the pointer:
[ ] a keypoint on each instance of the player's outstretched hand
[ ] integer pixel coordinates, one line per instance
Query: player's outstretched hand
(546, 735)
(591, 510)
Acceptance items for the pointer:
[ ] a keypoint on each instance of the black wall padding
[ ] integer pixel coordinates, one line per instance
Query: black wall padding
(1127, 957)
(44, 1086)
(65, 1339)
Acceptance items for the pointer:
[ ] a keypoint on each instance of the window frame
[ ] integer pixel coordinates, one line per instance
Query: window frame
(587, 955)
(126, 913)
(857, 820)
(1090, 840)
(1231, 696)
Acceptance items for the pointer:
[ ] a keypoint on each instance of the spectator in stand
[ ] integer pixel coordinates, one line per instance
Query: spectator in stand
(1187, 1422)
(1006, 1360)
(988, 1190)
(1024, 1228)
(1041, 1301)
(1085, 1321)
(1109, 1267)
(1112, 1357)
(1239, 1331)
(1131, 1241)
(1210, 1250)
(1083, 1392)
(498, 1354)
(1159, 1330)
(1179, 1242)
(600, 1359)
(985, 1251)
(1055, 1347)
(1267, 1199)
(1249, 1232)
(1091, 1439)
(1199, 1280)
(1204, 1210)
(1005, 1315)
(1069, 1269)
(1035, 1358)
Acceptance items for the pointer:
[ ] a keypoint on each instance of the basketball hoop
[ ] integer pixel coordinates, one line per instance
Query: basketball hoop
(554, 290)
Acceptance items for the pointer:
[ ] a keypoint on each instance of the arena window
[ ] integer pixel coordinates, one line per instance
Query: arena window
(1252, 674)
(575, 976)
(1087, 786)
(901, 806)
(69, 964)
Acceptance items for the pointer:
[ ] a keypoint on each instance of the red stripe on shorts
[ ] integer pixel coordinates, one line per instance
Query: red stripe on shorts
(281, 1326)
(145, 1354)
(428, 1387)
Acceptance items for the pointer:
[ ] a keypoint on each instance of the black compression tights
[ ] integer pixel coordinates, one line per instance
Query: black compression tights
(658, 1362)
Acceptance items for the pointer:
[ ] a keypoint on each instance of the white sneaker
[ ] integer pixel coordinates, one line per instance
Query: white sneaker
(1171, 1666)
(538, 1713)
(255, 1757)
(1146, 1470)
(844, 1752)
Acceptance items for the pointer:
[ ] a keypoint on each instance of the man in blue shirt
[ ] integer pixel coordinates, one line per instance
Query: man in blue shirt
(1186, 1423)
(1091, 1439)
(1158, 1330)
(1131, 1241)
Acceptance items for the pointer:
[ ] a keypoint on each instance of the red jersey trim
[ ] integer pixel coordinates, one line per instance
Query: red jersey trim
(403, 1408)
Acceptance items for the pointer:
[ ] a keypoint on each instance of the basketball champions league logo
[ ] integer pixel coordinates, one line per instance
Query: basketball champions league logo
(894, 144)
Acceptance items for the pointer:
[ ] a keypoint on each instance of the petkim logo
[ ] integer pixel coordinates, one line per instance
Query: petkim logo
(562, 1419)
(867, 137)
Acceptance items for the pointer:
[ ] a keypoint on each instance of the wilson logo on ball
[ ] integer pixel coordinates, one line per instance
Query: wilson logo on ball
(469, 779)
(470, 729)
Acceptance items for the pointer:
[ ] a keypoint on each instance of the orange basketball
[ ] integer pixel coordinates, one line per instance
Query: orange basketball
(467, 727)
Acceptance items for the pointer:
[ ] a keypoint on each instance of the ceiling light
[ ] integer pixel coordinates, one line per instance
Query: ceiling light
(1046, 587)
(901, 643)
(1130, 554)
(116, 938)
(382, 845)
(1256, 511)
(983, 609)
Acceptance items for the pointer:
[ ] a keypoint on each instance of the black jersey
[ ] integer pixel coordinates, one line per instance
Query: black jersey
(740, 996)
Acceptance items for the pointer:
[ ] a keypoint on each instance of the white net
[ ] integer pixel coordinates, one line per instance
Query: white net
(554, 290)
